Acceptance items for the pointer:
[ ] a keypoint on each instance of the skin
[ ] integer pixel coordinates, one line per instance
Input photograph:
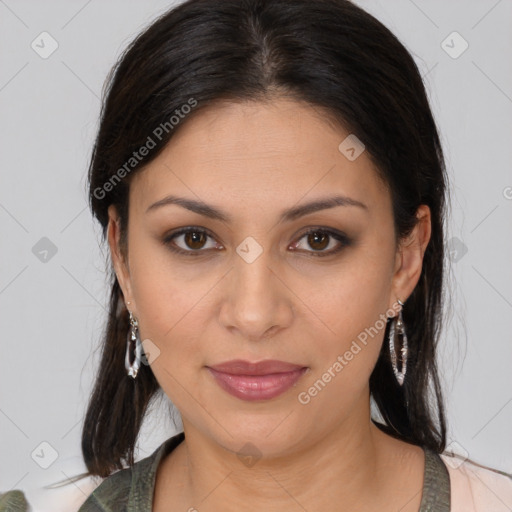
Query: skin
(253, 160)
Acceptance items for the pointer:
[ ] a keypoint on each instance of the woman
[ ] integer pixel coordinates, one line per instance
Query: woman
(271, 183)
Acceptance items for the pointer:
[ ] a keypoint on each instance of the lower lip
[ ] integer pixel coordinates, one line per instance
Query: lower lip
(257, 387)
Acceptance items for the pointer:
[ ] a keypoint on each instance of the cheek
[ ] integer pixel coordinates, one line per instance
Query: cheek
(352, 310)
(169, 310)
(349, 296)
(344, 359)
(170, 306)
(353, 341)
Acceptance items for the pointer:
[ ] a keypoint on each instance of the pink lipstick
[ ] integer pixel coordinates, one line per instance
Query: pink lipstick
(256, 381)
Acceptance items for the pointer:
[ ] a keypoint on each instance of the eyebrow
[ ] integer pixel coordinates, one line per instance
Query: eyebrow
(286, 216)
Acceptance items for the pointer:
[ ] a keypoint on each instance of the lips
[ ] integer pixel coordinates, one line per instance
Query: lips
(261, 380)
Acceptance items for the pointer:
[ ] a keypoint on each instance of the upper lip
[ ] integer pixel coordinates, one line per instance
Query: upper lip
(240, 367)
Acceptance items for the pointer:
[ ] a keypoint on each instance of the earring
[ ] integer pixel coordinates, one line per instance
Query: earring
(133, 335)
(397, 325)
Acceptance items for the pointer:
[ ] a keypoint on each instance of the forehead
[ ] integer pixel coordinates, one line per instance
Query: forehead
(258, 150)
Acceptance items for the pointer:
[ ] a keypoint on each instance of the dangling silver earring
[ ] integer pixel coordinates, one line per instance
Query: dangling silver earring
(400, 330)
(133, 335)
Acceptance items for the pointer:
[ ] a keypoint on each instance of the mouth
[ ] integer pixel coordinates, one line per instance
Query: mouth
(256, 381)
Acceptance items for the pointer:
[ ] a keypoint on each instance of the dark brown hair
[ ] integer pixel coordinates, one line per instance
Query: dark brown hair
(332, 55)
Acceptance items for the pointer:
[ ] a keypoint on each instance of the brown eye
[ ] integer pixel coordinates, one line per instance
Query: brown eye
(320, 239)
(190, 241)
(194, 239)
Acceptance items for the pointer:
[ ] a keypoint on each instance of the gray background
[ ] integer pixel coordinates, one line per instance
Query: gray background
(52, 306)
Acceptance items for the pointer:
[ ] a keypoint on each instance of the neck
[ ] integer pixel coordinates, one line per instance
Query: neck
(340, 467)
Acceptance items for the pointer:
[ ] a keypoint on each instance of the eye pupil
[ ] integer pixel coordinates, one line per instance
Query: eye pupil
(318, 238)
(194, 239)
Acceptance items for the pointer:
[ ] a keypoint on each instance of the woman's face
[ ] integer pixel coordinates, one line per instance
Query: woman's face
(254, 285)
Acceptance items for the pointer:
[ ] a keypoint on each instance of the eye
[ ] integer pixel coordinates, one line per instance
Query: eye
(320, 239)
(193, 240)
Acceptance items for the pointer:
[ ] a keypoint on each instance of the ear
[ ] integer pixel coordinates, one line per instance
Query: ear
(118, 258)
(409, 257)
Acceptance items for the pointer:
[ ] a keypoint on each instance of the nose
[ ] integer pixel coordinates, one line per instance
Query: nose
(257, 303)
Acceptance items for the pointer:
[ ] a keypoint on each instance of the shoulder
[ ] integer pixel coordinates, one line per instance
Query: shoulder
(112, 494)
(475, 488)
(121, 488)
(130, 486)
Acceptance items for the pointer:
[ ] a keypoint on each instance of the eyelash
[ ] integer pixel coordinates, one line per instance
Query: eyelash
(340, 237)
